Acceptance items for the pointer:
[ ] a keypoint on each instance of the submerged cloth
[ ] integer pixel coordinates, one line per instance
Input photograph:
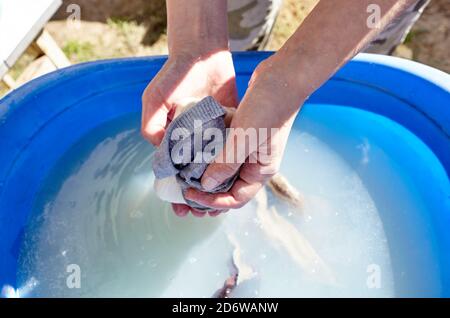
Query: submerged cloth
(187, 149)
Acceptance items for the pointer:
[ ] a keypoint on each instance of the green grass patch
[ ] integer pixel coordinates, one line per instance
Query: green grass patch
(79, 51)
(120, 24)
(412, 35)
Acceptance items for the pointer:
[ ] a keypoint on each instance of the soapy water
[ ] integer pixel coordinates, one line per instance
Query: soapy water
(97, 213)
(10, 292)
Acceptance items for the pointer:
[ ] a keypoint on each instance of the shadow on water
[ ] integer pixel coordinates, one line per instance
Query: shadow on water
(97, 210)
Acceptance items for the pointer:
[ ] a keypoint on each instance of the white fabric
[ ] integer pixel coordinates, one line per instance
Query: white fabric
(168, 189)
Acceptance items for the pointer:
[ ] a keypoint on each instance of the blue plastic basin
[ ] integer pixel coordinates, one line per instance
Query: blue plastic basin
(41, 120)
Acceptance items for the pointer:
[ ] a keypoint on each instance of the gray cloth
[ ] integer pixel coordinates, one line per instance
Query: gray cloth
(180, 135)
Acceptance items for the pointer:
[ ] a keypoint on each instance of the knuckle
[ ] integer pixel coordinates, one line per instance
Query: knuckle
(228, 170)
(220, 171)
(239, 204)
(250, 173)
(269, 171)
(240, 199)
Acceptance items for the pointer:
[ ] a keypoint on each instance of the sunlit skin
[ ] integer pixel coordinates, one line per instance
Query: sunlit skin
(200, 64)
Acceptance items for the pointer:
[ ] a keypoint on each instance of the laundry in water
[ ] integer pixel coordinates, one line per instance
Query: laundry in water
(173, 178)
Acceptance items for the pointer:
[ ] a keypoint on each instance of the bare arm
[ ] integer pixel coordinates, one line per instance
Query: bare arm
(197, 27)
(199, 65)
(332, 34)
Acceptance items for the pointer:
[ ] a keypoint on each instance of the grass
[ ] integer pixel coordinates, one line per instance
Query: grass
(412, 36)
(17, 69)
(125, 29)
(79, 51)
(122, 25)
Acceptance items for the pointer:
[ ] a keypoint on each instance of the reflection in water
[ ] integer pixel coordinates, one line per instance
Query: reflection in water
(22, 292)
(97, 210)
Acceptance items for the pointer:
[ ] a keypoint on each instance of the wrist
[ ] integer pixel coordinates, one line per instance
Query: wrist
(197, 27)
(200, 48)
(212, 60)
(274, 75)
(299, 70)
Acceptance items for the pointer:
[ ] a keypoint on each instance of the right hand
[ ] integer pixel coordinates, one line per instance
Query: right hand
(186, 76)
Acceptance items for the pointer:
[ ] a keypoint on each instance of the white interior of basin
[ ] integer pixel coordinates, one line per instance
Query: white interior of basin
(97, 211)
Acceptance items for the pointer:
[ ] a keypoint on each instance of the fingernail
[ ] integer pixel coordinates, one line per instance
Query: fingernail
(209, 183)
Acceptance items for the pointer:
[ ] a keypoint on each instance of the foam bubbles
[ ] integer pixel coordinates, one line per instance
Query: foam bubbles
(97, 209)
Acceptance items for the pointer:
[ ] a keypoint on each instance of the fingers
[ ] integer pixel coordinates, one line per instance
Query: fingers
(180, 209)
(153, 125)
(252, 177)
(239, 195)
(218, 173)
(198, 213)
(216, 213)
(201, 214)
(239, 145)
(225, 166)
(227, 95)
(154, 115)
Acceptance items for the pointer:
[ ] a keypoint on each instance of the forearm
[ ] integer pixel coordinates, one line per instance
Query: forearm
(331, 35)
(197, 27)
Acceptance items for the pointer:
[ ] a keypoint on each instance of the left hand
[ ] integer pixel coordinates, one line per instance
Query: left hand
(268, 104)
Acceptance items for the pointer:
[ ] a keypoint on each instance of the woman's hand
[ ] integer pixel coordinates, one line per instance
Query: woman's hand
(278, 88)
(269, 105)
(183, 76)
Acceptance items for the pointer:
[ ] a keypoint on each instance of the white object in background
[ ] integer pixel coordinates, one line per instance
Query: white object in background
(20, 23)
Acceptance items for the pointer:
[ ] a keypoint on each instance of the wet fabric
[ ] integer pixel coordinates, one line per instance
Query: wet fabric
(187, 148)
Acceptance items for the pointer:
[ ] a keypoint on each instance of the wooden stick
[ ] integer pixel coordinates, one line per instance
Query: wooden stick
(47, 44)
(9, 81)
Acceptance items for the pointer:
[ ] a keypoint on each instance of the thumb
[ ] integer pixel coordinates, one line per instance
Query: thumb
(153, 131)
(226, 164)
(154, 120)
(218, 173)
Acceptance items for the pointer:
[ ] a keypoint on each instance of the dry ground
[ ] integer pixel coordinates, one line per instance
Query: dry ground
(118, 28)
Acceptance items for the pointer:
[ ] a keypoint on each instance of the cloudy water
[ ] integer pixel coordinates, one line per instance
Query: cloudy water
(97, 228)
